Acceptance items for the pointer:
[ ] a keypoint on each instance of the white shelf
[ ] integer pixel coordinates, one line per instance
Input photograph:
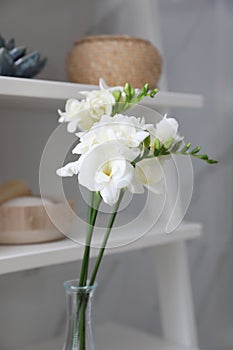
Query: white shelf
(25, 257)
(51, 91)
(116, 337)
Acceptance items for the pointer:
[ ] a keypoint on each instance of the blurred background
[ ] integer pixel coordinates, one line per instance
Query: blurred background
(195, 40)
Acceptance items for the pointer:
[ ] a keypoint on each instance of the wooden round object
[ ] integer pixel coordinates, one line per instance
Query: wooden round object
(31, 224)
(12, 189)
(116, 59)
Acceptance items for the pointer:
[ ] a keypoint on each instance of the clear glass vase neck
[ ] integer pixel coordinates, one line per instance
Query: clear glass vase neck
(79, 334)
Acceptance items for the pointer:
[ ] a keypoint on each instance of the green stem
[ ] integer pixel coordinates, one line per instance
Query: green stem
(95, 201)
(105, 240)
(82, 326)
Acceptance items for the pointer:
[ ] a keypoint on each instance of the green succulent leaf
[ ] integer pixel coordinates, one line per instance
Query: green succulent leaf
(2, 41)
(14, 61)
(10, 45)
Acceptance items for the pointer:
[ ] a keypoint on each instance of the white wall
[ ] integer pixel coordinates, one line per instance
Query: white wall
(199, 58)
(196, 41)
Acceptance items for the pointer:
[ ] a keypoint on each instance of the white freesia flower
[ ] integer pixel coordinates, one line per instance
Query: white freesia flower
(107, 151)
(149, 174)
(76, 114)
(167, 129)
(107, 168)
(85, 113)
(130, 131)
(99, 102)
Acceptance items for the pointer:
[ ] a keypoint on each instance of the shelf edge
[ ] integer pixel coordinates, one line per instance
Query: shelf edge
(55, 90)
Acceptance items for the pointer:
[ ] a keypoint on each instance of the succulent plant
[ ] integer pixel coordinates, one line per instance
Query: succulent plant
(16, 62)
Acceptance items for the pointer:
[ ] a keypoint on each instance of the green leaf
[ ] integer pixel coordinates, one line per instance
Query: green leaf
(127, 90)
(156, 152)
(163, 151)
(196, 150)
(205, 157)
(202, 156)
(145, 88)
(157, 144)
(186, 148)
(153, 93)
(212, 161)
(117, 95)
(147, 141)
(132, 92)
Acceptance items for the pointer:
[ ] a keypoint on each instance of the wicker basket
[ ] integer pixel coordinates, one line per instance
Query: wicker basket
(117, 59)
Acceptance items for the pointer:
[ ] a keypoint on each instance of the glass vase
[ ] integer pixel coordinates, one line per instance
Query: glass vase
(79, 334)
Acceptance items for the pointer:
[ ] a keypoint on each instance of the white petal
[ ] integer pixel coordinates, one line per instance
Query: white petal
(150, 174)
(110, 194)
(72, 104)
(101, 178)
(135, 186)
(97, 157)
(166, 129)
(85, 93)
(72, 126)
(174, 123)
(69, 169)
(102, 84)
(61, 119)
(122, 173)
(141, 135)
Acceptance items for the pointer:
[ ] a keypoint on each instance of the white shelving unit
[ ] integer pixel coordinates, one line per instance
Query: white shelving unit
(170, 257)
(50, 91)
(25, 257)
